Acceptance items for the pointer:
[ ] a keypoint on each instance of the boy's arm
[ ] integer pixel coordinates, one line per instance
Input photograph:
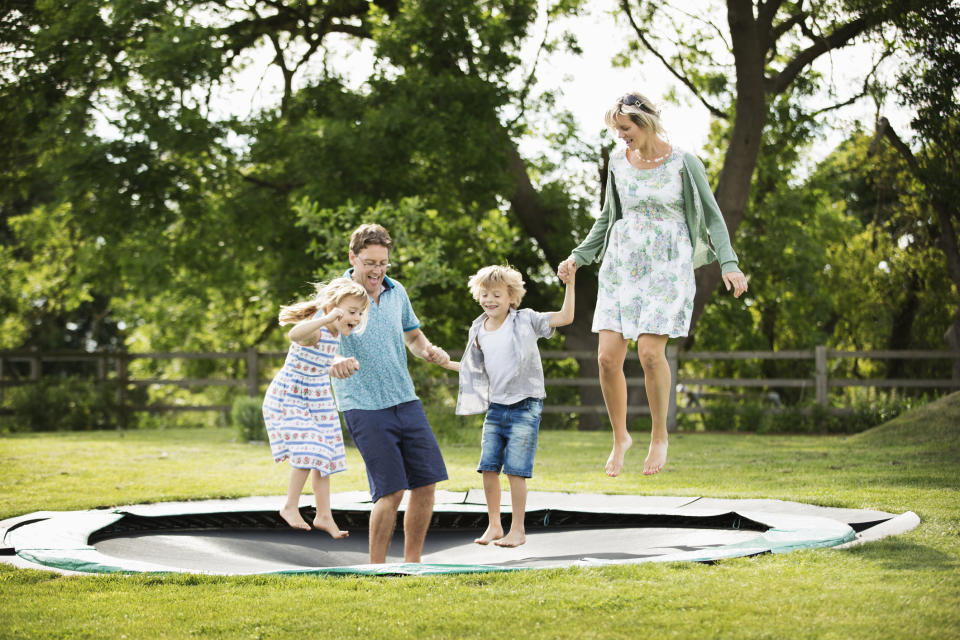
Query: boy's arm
(453, 365)
(565, 316)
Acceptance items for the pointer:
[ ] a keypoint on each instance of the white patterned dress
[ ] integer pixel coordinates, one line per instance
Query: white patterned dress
(646, 282)
(302, 420)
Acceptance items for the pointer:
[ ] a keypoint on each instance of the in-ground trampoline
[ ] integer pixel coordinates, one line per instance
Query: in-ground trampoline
(247, 536)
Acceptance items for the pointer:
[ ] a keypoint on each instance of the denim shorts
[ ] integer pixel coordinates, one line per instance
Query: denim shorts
(509, 439)
(397, 446)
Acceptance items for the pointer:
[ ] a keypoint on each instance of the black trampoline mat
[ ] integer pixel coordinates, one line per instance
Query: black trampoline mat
(251, 551)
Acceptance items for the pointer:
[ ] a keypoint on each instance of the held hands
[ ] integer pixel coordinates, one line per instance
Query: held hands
(344, 367)
(436, 355)
(567, 269)
(737, 281)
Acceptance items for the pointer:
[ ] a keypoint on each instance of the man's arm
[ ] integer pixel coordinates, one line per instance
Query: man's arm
(420, 347)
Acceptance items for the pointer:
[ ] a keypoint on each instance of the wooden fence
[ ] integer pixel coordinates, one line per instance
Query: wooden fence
(113, 366)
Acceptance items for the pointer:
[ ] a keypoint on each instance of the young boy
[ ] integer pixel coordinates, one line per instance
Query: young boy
(501, 374)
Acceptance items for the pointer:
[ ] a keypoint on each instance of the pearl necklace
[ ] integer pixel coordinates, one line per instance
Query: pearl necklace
(652, 160)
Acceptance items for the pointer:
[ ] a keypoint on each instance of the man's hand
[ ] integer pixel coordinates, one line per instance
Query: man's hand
(436, 355)
(344, 367)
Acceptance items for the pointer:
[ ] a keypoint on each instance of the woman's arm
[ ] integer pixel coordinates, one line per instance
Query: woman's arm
(586, 252)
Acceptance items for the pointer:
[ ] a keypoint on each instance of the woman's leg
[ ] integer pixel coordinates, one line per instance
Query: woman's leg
(611, 354)
(321, 492)
(291, 508)
(657, 380)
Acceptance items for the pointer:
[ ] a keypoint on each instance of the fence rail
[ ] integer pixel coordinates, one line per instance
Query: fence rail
(113, 366)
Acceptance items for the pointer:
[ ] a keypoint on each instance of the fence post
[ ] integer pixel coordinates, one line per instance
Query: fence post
(35, 365)
(820, 357)
(672, 351)
(253, 372)
(122, 381)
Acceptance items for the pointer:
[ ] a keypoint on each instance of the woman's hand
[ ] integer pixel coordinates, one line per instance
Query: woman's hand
(566, 269)
(737, 281)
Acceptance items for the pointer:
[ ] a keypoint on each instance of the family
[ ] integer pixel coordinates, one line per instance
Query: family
(659, 222)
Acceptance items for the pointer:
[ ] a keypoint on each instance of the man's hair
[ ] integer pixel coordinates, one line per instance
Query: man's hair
(367, 234)
(495, 276)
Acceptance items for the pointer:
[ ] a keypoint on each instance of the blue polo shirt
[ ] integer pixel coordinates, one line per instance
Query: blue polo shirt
(383, 379)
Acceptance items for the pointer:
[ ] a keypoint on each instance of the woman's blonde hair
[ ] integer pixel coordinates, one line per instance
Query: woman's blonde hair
(328, 296)
(639, 108)
(498, 275)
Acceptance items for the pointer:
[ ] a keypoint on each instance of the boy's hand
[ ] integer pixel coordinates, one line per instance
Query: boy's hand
(566, 269)
(344, 368)
(436, 355)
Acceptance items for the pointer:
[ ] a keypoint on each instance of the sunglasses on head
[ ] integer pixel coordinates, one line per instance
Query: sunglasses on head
(631, 100)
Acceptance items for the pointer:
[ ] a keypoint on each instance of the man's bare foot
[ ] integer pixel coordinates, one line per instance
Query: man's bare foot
(292, 517)
(512, 539)
(656, 458)
(492, 533)
(326, 523)
(615, 461)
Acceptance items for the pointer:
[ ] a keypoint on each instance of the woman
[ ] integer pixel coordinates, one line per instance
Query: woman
(657, 225)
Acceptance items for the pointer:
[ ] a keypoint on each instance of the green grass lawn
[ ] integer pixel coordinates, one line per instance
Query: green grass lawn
(902, 587)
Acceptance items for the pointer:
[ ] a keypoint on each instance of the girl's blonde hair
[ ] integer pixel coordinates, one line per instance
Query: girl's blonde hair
(495, 276)
(642, 110)
(328, 296)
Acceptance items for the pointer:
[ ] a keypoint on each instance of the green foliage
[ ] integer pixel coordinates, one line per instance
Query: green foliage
(70, 403)
(246, 415)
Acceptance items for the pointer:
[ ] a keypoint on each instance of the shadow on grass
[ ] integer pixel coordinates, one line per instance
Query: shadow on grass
(900, 555)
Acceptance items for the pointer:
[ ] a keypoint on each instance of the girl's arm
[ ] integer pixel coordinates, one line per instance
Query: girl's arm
(307, 332)
(565, 316)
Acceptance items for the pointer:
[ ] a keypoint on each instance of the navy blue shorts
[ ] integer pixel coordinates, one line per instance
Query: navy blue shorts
(398, 448)
(509, 439)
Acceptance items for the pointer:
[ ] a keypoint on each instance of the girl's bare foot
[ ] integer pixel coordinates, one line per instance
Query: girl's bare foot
(326, 523)
(615, 461)
(656, 458)
(492, 533)
(291, 515)
(512, 539)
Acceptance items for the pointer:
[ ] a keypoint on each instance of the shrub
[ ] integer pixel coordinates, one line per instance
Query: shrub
(71, 403)
(246, 414)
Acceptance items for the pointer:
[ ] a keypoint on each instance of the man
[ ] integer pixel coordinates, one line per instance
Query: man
(375, 393)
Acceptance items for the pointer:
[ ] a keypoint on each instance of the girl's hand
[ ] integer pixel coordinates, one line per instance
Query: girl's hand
(333, 315)
(566, 269)
(344, 368)
(737, 280)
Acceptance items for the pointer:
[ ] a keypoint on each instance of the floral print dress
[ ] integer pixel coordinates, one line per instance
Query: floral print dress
(646, 282)
(302, 420)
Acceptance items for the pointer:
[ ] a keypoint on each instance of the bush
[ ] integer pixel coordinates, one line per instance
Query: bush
(246, 414)
(71, 403)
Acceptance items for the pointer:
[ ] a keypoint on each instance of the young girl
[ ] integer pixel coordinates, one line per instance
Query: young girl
(301, 417)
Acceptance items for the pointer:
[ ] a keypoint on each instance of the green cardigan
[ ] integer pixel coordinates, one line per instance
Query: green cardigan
(704, 221)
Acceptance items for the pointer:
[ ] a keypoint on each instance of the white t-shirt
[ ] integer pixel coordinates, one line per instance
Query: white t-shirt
(499, 360)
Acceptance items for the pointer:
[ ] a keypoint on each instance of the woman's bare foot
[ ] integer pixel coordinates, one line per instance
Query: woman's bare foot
(292, 517)
(492, 533)
(326, 523)
(656, 458)
(615, 461)
(512, 539)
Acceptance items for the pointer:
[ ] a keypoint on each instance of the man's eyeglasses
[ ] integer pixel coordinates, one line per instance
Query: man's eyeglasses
(631, 100)
(375, 265)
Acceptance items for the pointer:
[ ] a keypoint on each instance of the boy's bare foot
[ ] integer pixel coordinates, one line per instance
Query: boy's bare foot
(615, 461)
(326, 523)
(293, 518)
(512, 539)
(492, 533)
(656, 458)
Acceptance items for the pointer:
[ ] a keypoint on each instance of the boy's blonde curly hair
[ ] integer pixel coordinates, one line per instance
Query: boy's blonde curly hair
(328, 296)
(496, 276)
